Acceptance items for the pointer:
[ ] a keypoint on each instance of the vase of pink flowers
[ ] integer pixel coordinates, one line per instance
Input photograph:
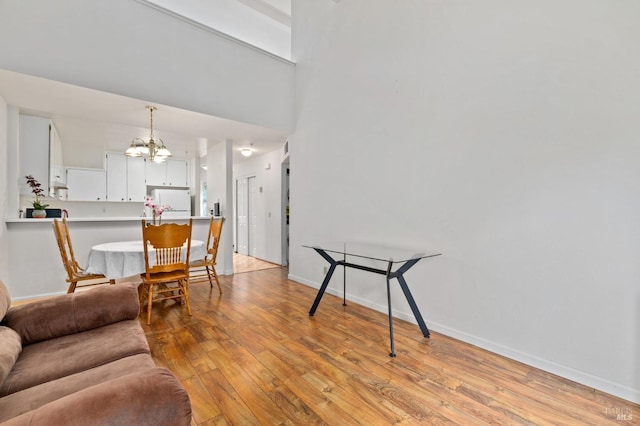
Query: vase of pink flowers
(156, 210)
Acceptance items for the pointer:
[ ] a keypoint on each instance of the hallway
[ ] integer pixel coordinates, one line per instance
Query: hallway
(242, 263)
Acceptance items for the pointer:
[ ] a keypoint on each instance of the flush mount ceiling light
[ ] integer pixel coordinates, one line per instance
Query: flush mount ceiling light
(246, 152)
(154, 147)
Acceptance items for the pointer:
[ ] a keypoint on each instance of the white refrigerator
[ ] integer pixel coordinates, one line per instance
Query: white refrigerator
(179, 201)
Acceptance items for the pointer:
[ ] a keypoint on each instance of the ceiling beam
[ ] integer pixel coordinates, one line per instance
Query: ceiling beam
(269, 10)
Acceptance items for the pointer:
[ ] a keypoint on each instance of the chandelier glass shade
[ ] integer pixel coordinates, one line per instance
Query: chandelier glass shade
(154, 147)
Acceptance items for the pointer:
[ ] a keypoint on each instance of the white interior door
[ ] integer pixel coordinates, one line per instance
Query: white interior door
(242, 218)
(253, 220)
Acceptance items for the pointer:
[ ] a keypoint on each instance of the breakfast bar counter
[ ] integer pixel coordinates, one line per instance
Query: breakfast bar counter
(102, 219)
(33, 258)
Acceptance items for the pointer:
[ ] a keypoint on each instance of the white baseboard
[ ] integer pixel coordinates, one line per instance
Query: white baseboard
(581, 377)
(578, 376)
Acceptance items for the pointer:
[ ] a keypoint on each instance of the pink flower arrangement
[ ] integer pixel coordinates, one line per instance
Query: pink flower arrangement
(156, 210)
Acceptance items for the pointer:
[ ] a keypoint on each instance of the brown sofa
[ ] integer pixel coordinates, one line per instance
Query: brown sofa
(83, 358)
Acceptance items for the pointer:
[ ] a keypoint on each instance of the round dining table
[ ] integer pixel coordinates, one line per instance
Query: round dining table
(126, 258)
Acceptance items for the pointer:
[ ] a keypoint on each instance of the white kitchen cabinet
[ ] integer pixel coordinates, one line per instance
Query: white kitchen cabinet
(136, 186)
(86, 184)
(171, 172)
(125, 178)
(34, 151)
(177, 173)
(116, 177)
(155, 173)
(41, 154)
(57, 178)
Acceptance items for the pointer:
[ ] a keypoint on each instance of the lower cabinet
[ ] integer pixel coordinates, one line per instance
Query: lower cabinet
(86, 184)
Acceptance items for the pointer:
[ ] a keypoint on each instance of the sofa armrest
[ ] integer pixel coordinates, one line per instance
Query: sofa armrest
(149, 397)
(72, 313)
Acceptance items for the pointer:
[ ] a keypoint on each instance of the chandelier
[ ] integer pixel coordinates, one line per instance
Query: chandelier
(154, 147)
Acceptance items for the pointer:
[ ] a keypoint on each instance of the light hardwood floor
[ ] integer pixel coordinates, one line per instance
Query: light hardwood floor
(253, 356)
(242, 264)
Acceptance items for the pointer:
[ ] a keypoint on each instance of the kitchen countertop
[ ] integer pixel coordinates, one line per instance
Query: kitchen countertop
(99, 219)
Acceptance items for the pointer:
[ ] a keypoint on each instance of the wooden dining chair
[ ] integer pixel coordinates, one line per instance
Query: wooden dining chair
(75, 273)
(198, 269)
(166, 260)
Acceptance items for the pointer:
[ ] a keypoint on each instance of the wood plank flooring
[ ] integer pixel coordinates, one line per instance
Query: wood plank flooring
(253, 356)
(242, 263)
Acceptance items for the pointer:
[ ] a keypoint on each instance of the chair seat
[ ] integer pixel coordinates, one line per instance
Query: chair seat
(201, 262)
(81, 275)
(163, 277)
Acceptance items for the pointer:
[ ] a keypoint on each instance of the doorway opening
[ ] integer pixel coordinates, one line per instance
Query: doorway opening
(285, 212)
(243, 263)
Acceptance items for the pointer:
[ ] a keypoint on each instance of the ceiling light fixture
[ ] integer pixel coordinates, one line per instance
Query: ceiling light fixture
(246, 152)
(154, 148)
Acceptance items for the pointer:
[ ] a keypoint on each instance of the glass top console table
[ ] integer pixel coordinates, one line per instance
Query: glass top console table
(354, 255)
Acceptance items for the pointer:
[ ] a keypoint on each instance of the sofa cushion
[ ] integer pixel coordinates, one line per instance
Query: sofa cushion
(10, 348)
(51, 359)
(72, 313)
(5, 300)
(149, 397)
(34, 397)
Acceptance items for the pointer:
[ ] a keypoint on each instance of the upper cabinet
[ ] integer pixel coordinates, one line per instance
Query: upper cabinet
(34, 151)
(136, 186)
(57, 177)
(41, 153)
(86, 184)
(177, 173)
(171, 172)
(125, 178)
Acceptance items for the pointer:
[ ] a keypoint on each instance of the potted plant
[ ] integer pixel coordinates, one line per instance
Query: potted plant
(38, 193)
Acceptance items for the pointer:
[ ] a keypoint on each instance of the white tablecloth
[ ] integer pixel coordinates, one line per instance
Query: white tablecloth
(126, 258)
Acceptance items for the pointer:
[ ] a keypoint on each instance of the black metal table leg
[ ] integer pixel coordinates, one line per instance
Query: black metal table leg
(325, 283)
(414, 307)
(344, 279)
(392, 354)
(399, 274)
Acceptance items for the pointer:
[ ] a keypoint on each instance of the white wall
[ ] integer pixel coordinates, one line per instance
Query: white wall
(268, 173)
(4, 146)
(219, 189)
(238, 20)
(133, 49)
(504, 134)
